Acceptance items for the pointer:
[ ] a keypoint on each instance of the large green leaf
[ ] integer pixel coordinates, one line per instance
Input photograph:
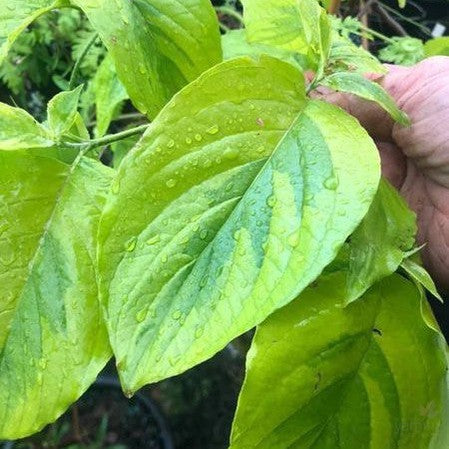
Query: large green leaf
(109, 95)
(381, 242)
(205, 234)
(16, 15)
(53, 341)
(158, 46)
(323, 376)
(298, 26)
(19, 130)
(356, 84)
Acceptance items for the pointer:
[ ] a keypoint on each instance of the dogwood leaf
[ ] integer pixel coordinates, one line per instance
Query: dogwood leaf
(321, 375)
(222, 219)
(298, 26)
(157, 46)
(381, 242)
(16, 15)
(19, 130)
(356, 84)
(53, 341)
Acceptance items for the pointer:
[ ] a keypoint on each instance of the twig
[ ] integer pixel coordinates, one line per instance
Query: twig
(365, 22)
(229, 12)
(390, 20)
(334, 6)
(106, 140)
(78, 62)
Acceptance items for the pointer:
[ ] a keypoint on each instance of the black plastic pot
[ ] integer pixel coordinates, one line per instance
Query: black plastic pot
(108, 386)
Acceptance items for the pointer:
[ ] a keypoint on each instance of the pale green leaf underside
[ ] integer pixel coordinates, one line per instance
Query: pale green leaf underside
(356, 84)
(20, 131)
(62, 111)
(109, 95)
(420, 275)
(158, 46)
(53, 342)
(16, 15)
(298, 26)
(323, 376)
(205, 236)
(381, 242)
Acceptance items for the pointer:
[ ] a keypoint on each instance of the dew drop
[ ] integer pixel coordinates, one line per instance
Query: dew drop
(203, 234)
(130, 245)
(115, 186)
(188, 140)
(171, 183)
(171, 143)
(176, 315)
(331, 183)
(271, 201)
(153, 240)
(293, 239)
(141, 315)
(198, 137)
(198, 332)
(231, 153)
(213, 130)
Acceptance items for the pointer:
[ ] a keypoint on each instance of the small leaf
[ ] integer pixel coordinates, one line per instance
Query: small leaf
(20, 131)
(403, 50)
(16, 15)
(261, 216)
(53, 342)
(62, 111)
(235, 45)
(420, 275)
(346, 56)
(369, 375)
(298, 26)
(381, 242)
(358, 85)
(437, 46)
(158, 46)
(109, 95)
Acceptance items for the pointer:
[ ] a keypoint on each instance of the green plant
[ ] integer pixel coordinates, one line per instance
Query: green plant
(245, 203)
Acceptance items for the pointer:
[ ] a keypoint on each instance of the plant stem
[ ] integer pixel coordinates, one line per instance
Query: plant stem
(78, 62)
(334, 6)
(423, 28)
(390, 20)
(230, 12)
(90, 144)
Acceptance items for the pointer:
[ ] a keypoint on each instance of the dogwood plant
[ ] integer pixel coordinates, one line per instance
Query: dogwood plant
(245, 203)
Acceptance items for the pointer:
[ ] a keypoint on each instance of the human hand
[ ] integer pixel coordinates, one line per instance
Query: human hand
(415, 159)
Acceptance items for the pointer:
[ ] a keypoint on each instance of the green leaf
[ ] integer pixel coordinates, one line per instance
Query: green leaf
(381, 242)
(298, 26)
(16, 15)
(420, 275)
(62, 112)
(235, 45)
(109, 95)
(259, 220)
(53, 341)
(324, 376)
(437, 46)
(19, 130)
(403, 50)
(358, 85)
(345, 55)
(158, 46)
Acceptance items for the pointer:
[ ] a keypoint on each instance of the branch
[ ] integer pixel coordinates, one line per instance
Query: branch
(390, 20)
(78, 62)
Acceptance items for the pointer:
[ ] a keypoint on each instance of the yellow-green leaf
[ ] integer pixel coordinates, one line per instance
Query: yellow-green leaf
(324, 376)
(221, 214)
(53, 341)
